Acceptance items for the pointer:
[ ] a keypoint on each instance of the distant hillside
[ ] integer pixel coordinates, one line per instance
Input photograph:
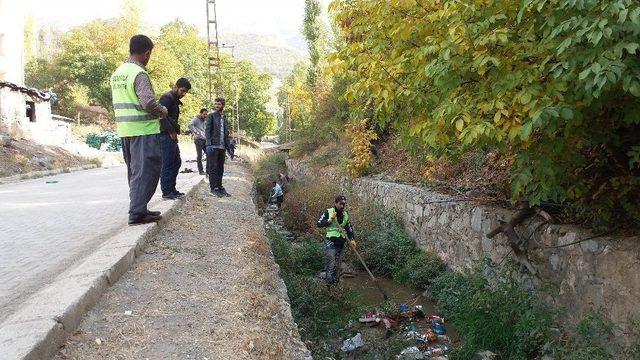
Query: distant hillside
(268, 54)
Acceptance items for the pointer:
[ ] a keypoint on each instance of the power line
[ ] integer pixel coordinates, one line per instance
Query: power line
(213, 50)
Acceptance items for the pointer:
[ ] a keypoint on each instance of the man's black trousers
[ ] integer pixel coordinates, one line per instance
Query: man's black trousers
(215, 168)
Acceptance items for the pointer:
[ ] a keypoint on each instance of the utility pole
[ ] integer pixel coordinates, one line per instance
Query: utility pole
(234, 72)
(213, 50)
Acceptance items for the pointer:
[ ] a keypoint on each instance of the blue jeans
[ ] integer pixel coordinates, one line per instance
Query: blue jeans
(170, 164)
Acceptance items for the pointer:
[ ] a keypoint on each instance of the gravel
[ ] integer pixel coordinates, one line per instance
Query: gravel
(206, 287)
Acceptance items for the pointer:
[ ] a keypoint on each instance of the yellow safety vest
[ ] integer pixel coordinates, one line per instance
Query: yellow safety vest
(335, 229)
(131, 118)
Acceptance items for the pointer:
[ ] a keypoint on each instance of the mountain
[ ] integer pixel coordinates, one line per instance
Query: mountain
(268, 54)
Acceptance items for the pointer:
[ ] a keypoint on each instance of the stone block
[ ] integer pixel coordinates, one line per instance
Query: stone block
(476, 219)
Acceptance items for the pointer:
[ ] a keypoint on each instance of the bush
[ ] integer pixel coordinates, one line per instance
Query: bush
(501, 317)
(593, 340)
(554, 85)
(386, 248)
(420, 269)
(266, 171)
(304, 204)
(308, 257)
(317, 311)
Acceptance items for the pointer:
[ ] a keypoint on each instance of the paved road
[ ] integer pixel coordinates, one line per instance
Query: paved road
(46, 228)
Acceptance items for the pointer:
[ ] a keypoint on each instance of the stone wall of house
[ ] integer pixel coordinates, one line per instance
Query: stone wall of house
(600, 273)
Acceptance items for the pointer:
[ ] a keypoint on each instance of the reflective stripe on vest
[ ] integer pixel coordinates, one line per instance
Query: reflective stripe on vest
(335, 229)
(131, 118)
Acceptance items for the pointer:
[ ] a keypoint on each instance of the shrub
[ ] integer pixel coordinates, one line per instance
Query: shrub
(501, 317)
(266, 171)
(420, 269)
(317, 311)
(304, 204)
(386, 248)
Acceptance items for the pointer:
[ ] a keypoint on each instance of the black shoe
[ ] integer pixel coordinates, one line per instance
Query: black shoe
(153, 213)
(178, 193)
(217, 193)
(224, 192)
(203, 173)
(171, 197)
(145, 219)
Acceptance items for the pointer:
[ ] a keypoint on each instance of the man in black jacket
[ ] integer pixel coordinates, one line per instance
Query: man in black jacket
(169, 130)
(217, 134)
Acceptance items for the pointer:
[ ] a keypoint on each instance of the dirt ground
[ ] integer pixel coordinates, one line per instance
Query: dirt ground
(23, 156)
(206, 287)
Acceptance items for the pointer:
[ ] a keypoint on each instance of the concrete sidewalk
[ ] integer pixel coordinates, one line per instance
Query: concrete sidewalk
(83, 265)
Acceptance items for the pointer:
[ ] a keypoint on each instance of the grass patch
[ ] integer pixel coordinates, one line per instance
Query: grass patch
(266, 172)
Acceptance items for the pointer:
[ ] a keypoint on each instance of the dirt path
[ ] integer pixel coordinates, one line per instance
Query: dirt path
(206, 287)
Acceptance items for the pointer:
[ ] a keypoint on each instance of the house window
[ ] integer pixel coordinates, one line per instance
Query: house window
(31, 111)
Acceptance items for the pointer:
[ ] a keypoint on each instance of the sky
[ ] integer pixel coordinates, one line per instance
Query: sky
(282, 18)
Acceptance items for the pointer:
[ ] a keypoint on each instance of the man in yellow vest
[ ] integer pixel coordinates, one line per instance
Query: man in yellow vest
(339, 231)
(138, 124)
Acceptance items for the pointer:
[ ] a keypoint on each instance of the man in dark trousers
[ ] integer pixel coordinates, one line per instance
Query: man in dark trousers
(197, 127)
(339, 231)
(169, 130)
(138, 124)
(217, 136)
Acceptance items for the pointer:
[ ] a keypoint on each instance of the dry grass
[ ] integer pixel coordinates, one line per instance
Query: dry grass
(23, 156)
(206, 287)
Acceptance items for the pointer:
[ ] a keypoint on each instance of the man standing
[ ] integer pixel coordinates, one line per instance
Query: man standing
(217, 135)
(169, 130)
(138, 124)
(197, 127)
(339, 229)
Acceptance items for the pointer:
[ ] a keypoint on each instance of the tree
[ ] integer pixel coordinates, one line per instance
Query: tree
(313, 30)
(254, 87)
(555, 85)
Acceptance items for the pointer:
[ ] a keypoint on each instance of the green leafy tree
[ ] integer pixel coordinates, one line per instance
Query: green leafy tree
(551, 84)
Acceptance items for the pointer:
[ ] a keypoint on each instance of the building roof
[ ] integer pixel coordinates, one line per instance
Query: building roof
(33, 92)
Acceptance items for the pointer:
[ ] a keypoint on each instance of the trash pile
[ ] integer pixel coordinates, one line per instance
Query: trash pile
(428, 332)
(105, 142)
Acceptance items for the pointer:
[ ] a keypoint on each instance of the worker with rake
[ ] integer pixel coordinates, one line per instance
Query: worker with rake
(339, 231)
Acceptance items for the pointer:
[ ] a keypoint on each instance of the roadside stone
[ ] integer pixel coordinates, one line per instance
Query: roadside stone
(41, 161)
(589, 245)
(567, 239)
(554, 260)
(5, 140)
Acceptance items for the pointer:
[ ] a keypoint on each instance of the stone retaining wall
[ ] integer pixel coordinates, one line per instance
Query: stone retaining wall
(602, 273)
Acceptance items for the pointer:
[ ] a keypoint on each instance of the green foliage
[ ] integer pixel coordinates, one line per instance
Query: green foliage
(254, 88)
(488, 306)
(266, 171)
(305, 203)
(420, 269)
(593, 340)
(501, 317)
(554, 82)
(79, 71)
(318, 312)
(313, 31)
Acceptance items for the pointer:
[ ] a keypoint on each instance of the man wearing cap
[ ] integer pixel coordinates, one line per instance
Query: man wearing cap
(339, 231)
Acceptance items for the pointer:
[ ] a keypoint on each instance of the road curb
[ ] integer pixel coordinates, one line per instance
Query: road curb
(43, 173)
(43, 323)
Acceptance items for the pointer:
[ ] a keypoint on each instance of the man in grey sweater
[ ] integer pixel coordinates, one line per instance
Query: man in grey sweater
(197, 127)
